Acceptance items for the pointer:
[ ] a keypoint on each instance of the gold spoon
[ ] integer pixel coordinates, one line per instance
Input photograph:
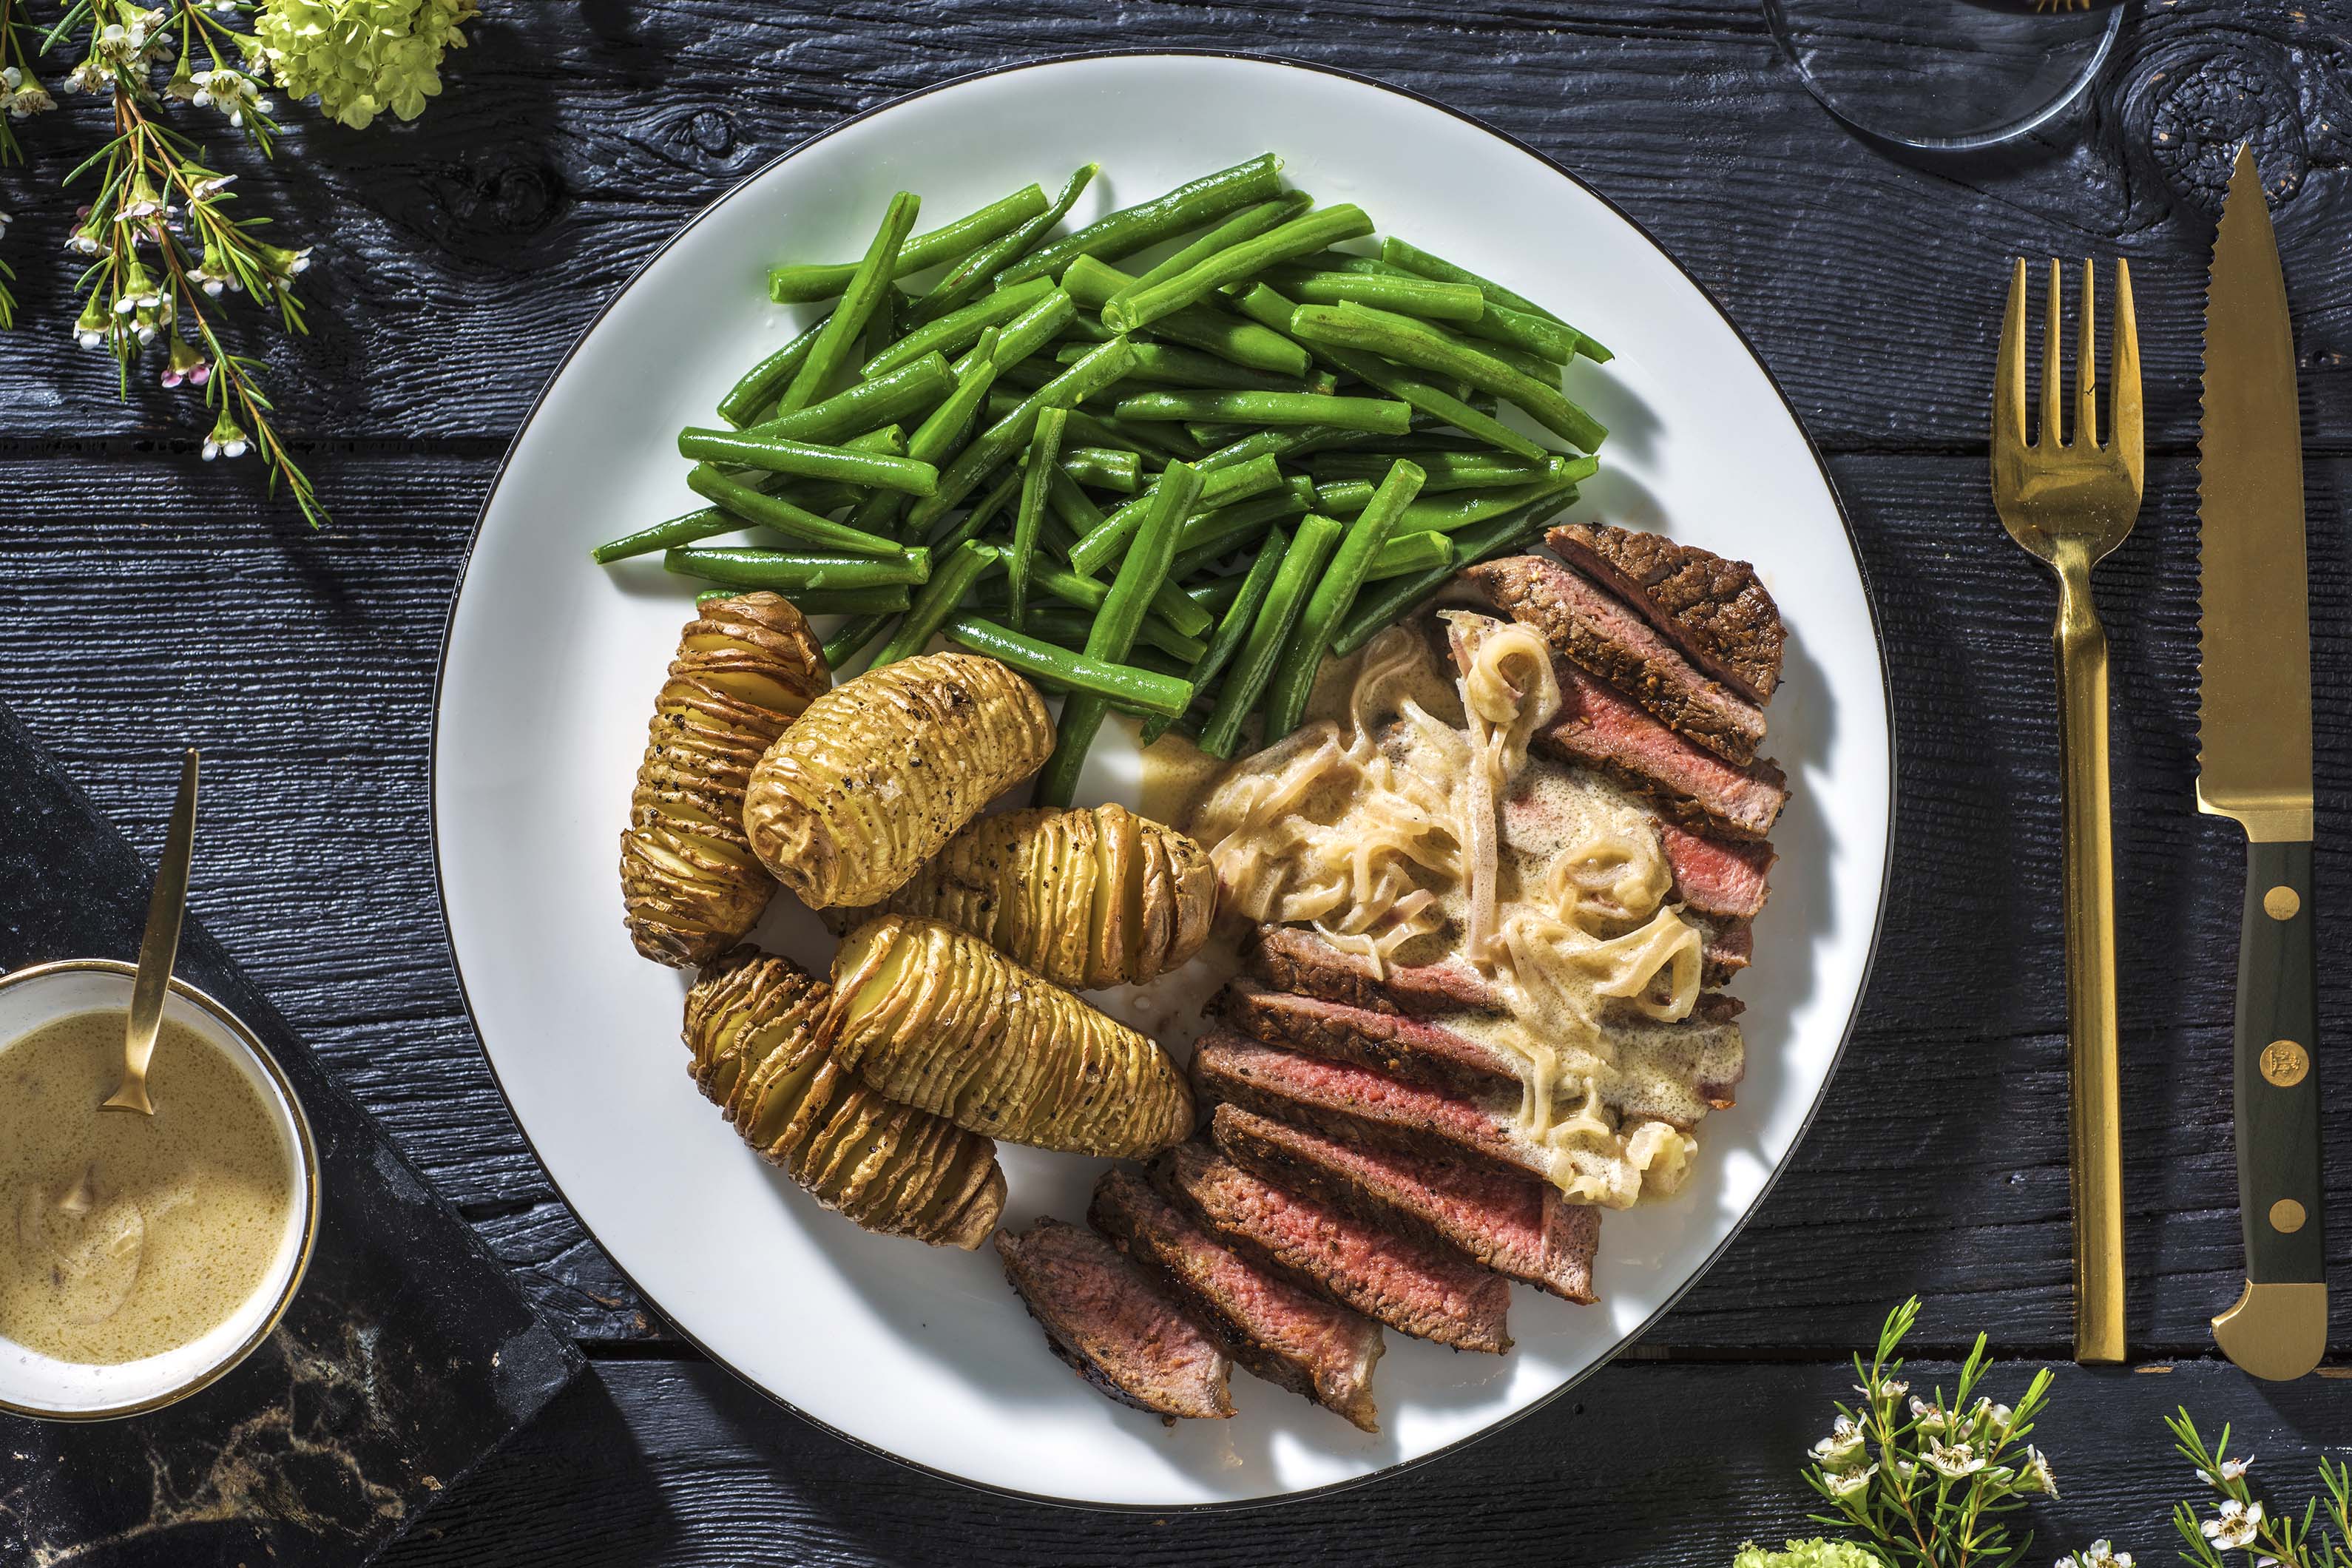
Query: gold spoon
(158, 947)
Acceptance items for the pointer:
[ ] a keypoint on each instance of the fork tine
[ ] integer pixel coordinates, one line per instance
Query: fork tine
(2008, 367)
(2123, 379)
(2052, 434)
(2086, 362)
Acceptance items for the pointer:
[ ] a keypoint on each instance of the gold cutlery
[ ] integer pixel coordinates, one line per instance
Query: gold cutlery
(2253, 762)
(2069, 503)
(158, 946)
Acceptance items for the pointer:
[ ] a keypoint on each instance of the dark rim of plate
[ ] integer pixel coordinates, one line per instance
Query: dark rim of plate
(1878, 915)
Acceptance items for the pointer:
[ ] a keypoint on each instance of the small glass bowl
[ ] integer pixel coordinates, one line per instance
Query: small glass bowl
(39, 1386)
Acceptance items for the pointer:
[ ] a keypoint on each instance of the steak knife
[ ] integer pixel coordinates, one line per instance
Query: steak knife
(2253, 763)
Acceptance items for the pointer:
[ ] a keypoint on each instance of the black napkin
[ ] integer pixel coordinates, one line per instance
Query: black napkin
(406, 1357)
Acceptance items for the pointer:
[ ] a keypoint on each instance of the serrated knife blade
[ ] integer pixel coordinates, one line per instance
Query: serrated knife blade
(2253, 729)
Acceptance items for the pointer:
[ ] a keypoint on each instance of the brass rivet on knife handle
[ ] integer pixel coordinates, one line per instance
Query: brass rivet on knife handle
(2285, 1063)
(2280, 903)
(2287, 1217)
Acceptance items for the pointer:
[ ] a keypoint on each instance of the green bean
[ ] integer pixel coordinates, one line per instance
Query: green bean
(1538, 335)
(1399, 596)
(1082, 673)
(1095, 431)
(882, 329)
(1246, 224)
(778, 455)
(953, 333)
(1104, 468)
(1168, 365)
(1033, 328)
(1088, 594)
(1248, 593)
(790, 571)
(1343, 498)
(1460, 509)
(1216, 594)
(1265, 306)
(970, 276)
(1000, 441)
(907, 390)
(1282, 443)
(1044, 450)
(1447, 470)
(850, 601)
(1397, 253)
(796, 284)
(1526, 362)
(982, 514)
(1409, 552)
(763, 381)
(1140, 307)
(867, 286)
(1230, 482)
(1141, 574)
(1091, 282)
(1302, 561)
(683, 529)
(1213, 536)
(1408, 296)
(1335, 590)
(1068, 624)
(936, 604)
(941, 431)
(709, 595)
(792, 521)
(1402, 339)
(851, 636)
(1130, 230)
(1374, 413)
(1075, 511)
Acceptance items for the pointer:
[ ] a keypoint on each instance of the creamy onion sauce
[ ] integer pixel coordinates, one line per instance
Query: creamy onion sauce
(1403, 825)
(123, 1236)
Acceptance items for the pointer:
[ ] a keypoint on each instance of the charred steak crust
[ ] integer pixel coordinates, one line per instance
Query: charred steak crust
(1597, 727)
(1105, 1318)
(1412, 1287)
(1520, 1228)
(1400, 1047)
(1294, 960)
(1285, 1333)
(1616, 644)
(1714, 609)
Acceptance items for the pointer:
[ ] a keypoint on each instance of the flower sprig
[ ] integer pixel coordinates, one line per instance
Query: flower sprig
(1929, 1483)
(22, 96)
(2321, 1538)
(164, 244)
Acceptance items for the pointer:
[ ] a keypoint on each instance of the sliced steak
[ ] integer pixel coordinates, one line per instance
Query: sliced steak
(1347, 1101)
(1521, 1229)
(1398, 1280)
(1283, 1332)
(1616, 644)
(1714, 876)
(1597, 727)
(1107, 1321)
(1729, 946)
(1673, 1072)
(1714, 610)
(1295, 960)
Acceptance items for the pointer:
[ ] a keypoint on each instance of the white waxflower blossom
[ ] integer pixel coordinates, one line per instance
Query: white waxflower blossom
(226, 439)
(2037, 1475)
(1851, 1483)
(2229, 1470)
(2235, 1526)
(2100, 1553)
(1930, 1417)
(1985, 1413)
(1955, 1460)
(1841, 1447)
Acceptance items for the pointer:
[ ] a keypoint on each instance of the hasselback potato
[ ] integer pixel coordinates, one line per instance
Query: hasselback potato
(883, 769)
(1085, 898)
(751, 1026)
(937, 1017)
(746, 668)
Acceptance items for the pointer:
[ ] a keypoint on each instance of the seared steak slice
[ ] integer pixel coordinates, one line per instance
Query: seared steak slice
(1104, 1318)
(1348, 1101)
(1673, 1072)
(1715, 610)
(1295, 960)
(1729, 947)
(1520, 1228)
(1617, 645)
(1597, 727)
(1712, 877)
(1282, 1331)
(1405, 1283)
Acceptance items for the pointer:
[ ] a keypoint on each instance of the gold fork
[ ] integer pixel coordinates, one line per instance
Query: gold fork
(2070, 503)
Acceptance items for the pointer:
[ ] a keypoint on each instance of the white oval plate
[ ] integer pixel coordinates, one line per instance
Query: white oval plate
(926, 1355)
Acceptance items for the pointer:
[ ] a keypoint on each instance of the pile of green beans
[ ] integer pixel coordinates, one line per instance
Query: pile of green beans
(1170, 486)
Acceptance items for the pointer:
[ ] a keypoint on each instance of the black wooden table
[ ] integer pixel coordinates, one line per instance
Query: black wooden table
(149, 600)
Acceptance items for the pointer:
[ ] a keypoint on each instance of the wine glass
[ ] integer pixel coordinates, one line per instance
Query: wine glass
(1945, 75)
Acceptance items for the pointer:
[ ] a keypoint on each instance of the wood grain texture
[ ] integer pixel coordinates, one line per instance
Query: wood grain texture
(1666, 1466)
(462, 255)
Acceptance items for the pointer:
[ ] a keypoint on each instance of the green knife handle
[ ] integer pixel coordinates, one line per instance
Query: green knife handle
(2278, 1071)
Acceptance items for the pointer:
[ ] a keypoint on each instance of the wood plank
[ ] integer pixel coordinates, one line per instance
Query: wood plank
(1667, 1464)
(460, 257)
(304, 666)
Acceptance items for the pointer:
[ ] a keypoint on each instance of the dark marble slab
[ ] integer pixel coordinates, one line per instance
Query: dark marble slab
(406, 1358)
